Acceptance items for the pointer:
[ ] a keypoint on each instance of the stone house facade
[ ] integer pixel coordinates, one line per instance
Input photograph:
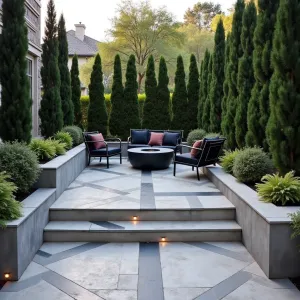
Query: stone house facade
(33, 20)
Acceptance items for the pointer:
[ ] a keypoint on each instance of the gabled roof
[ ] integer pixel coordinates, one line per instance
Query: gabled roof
(87, 47)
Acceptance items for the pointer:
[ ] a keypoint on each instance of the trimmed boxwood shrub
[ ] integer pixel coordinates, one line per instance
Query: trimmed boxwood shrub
(44, 149)
(251, 164)
(65, 138)
(280, 190)
(20, 163)
(227, 160)
(195, 135)
(10, 209)
(76, 134)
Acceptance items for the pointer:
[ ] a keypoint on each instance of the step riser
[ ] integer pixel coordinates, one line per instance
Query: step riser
(151, 215)
(125, 237)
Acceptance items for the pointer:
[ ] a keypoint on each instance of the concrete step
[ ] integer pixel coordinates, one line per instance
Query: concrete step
(200, 214)
(142, 231)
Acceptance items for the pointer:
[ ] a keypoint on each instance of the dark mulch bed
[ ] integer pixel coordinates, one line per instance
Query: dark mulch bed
(22, 196)
(296, 282)
(2, 282)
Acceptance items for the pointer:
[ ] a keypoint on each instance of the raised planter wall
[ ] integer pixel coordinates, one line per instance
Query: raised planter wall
(266, 227)
(60, 172)
(22, 238)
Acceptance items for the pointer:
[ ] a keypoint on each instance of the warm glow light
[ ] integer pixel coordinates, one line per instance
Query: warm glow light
(135, 218)
(163, 239)
(6, 275)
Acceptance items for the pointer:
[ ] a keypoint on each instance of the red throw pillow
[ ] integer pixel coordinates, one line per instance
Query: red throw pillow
(156, 139)
(195, 152)
(97, 137)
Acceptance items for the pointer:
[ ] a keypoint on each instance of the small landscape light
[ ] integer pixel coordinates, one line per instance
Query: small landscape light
(135, 218)
(6, 275)
(163, 239)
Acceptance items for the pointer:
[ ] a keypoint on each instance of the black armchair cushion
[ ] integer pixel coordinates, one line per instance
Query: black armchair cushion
(171, 138)
(186, 159)
(102, 151)
(130, 146)
(140, 137)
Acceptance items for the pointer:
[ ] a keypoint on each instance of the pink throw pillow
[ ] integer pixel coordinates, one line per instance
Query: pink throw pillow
(195, 152)
(156, 139)
(97, 137)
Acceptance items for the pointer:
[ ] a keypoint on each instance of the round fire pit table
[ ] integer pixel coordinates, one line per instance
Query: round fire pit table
(150, 158)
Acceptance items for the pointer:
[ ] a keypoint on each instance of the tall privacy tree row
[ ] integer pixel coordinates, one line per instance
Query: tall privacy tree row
(235, 54)
(97, 114)
(65, 86)
(76, 91)
(51, 110)
(258, 110)
(283, 130)
(216, 87)
(15, 109)
(245, 80)
(203, 88)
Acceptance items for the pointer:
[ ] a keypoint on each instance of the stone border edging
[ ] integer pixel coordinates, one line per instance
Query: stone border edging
(266, 227)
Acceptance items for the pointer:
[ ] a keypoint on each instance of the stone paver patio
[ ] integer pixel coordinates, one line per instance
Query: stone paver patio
(144, 271)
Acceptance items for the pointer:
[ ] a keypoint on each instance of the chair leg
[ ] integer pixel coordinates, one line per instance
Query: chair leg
(174, 169)
(120, 158)
(100, 159)
(193, 168)
(89, 160)
(198, 175)
(107, 162)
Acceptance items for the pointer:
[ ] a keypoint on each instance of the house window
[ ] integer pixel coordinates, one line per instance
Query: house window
(29, 74)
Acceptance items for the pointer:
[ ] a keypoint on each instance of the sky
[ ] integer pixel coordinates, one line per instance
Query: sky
(96, 14)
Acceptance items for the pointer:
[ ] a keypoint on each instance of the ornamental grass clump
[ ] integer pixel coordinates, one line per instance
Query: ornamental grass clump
(227, 160)
(65, 138)
(10, 209)
(60, 148)
(195, 135)
(44, 149)
(251, 164)
(279, 190)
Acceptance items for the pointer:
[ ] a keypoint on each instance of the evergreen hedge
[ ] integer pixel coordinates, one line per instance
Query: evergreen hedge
(216, 87)
(283, 129)
(245, 74)
(16, 103)
(97, 114)
(193, 88)
(51, 111)
(65, 86)
(76, 91)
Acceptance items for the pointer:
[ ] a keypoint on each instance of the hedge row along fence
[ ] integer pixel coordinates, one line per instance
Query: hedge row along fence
(85, 101)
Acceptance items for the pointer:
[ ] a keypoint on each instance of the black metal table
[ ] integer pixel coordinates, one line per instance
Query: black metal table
(150, 158)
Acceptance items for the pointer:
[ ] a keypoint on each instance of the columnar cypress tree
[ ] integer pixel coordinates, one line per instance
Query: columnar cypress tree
(245, 74)
(193, 94)
(226, 84)
(50, 112)
(150, 108)
(65, 87)
(216, 87)
(235, 54)
(179, 100)
(259, 105)
(15, 108)
(283, 129)
(76, 92)
(132, 120)
(97, 114)
(206, 106)
(163, 96)
(117, 102)
(203, 87)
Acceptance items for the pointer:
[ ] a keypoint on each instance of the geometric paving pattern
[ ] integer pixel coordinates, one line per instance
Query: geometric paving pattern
(146, 271)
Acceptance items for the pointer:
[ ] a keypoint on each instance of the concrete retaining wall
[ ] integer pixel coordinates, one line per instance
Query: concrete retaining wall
(266, 227)
(22, 238)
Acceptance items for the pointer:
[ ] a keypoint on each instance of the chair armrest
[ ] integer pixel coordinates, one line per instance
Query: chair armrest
(186, 146)
(96, 142)
(129, 140)
(115, 139)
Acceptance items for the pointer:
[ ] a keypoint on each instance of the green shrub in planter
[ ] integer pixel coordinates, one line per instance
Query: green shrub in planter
(195, 135)
(295, 224)
(65, 138)
(44, 149)
(20, 163)
(251, 164)
(10, 209)
(75, 132)
(279, 190)
(227, 160)
(211, 135)
(60, 148)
